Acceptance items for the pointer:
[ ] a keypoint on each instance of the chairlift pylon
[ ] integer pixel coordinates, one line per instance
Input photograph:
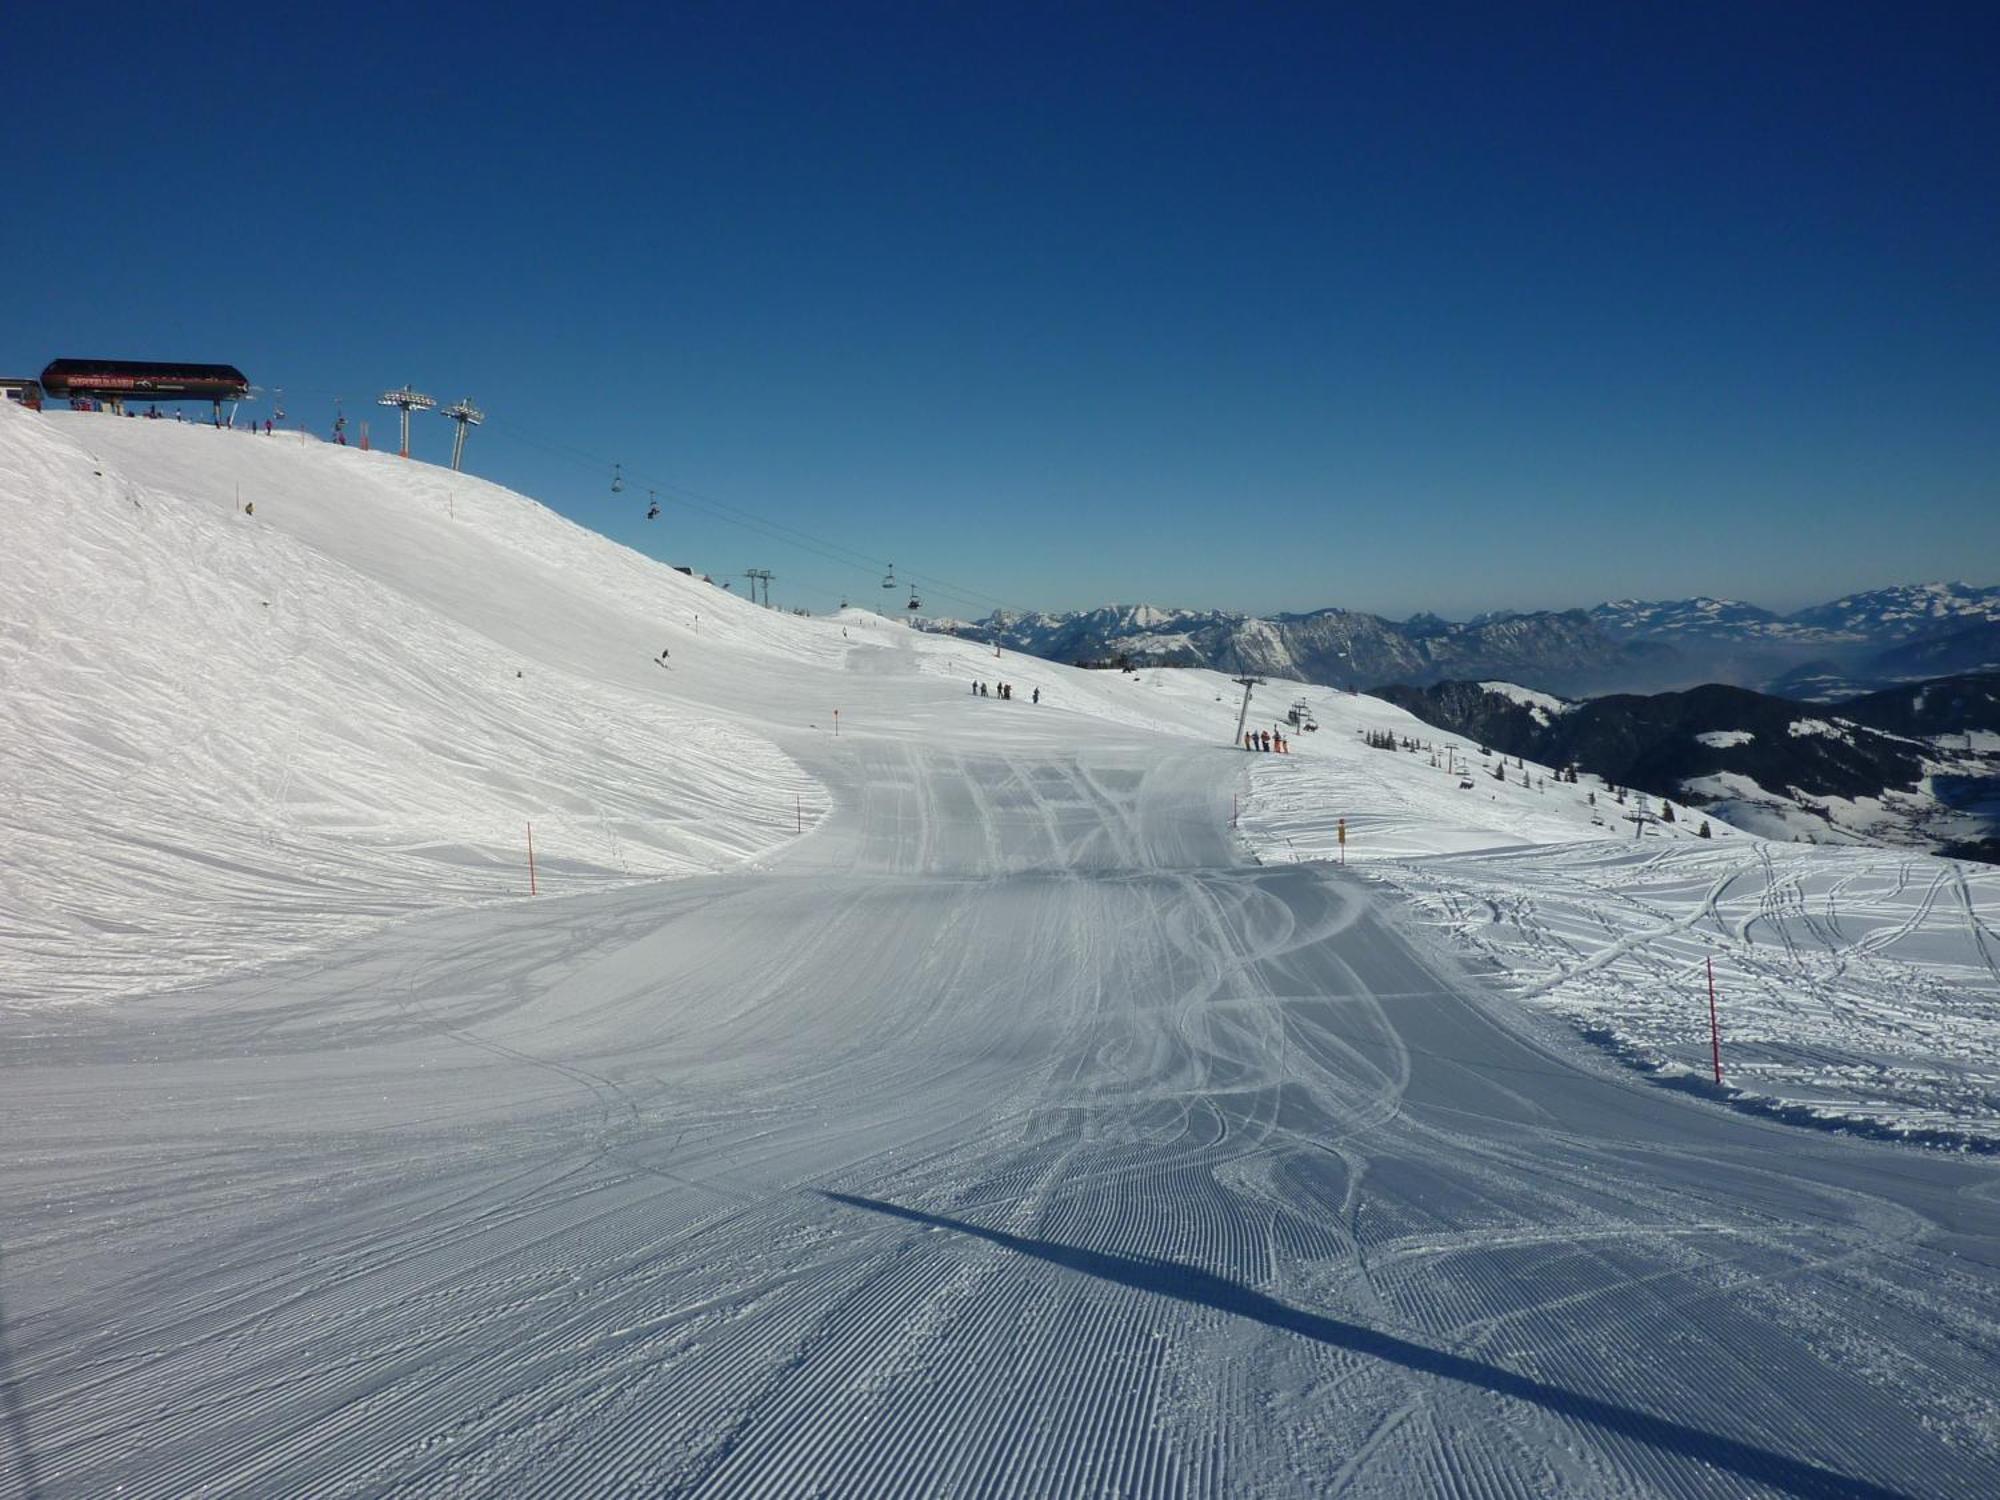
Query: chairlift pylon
(617, 479)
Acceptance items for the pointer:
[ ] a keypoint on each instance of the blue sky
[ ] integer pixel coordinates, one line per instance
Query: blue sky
(1392, 307)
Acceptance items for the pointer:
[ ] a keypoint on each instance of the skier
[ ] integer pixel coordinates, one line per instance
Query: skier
(653, 511)
(1036, 696)
(1249, 739)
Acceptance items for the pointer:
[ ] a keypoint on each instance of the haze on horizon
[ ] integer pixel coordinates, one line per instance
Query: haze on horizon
(1395, 312)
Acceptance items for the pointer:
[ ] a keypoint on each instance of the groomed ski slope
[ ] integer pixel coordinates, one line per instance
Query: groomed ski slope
(1013, 1131)
(1859, 988)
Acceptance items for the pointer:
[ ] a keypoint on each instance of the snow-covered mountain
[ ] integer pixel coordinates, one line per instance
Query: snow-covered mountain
(1880, 617)
(1903, 613)
(1626, 645)
(1337, 647)
(1630, 619)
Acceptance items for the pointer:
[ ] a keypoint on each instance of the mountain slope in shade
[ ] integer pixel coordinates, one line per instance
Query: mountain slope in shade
(1777, 767)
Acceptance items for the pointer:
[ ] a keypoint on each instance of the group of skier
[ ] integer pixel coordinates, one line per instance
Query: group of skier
(1001, 690)
(1272, 740)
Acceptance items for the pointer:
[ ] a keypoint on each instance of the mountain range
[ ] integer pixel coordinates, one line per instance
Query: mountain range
(1851, 645)
(1917, 766)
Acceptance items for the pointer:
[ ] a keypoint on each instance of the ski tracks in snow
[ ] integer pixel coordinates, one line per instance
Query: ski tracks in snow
(1005, 1138)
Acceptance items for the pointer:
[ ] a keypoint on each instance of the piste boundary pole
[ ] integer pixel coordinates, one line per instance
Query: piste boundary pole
(1714, 1026)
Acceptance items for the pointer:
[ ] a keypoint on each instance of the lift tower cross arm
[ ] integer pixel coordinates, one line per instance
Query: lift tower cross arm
(409, 401)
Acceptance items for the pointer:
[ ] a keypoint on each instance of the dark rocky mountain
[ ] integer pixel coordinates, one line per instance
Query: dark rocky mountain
(1765, 763)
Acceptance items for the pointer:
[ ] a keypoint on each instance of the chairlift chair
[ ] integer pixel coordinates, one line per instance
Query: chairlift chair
(915, 602)
(889, 579)
(617, 479)
(653, 505)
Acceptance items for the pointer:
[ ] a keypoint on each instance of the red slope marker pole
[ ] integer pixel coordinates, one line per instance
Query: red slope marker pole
(531, 859)
(1714, 1028)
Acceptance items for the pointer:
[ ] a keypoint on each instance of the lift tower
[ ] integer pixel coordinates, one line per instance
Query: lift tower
(1243, 717)
(466, 415)
(409, 401)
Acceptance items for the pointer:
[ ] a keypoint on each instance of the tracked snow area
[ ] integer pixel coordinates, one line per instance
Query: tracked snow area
(1008, 1133)
(229, 734)
(1859, 985)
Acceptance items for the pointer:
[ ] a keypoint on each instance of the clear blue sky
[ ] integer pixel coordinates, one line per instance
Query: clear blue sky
(1393, 307)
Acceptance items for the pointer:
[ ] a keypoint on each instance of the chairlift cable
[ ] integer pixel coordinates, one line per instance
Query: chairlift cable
(831, 551)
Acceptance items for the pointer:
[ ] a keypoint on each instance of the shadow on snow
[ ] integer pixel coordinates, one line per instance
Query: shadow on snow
(1185, 1283)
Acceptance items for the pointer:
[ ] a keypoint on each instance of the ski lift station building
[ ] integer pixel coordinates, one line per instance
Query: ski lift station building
(116, 381)
(22, 390)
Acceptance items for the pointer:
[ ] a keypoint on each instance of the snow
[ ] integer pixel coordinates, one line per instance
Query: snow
(1802, 727)
(1724, 739)
(1542, 707)
(241, 733)
(1008, 1131)
(1863, 980)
